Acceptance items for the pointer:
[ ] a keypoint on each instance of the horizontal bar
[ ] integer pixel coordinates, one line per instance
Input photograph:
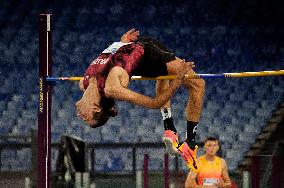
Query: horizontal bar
(197, 76)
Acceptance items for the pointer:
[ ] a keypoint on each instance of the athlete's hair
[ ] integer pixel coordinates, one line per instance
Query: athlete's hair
(109, 109)
(219, 152)
(212, 139)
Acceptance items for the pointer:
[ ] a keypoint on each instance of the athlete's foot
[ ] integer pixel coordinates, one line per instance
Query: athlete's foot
(189, 156)
(170, 139)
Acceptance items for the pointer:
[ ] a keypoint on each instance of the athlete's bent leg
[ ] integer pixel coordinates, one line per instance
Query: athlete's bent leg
(196, 88)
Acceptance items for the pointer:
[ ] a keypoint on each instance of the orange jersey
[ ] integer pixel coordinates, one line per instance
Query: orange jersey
(210, 172)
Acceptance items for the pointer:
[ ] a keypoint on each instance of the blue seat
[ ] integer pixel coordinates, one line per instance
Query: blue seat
(232, 105)
(214, 129)
(109, 134)
(206, 120)
(246, 113)
(103, 161)
(9, 156)
(232, 130)
(261, 112)
(156, 158)
(54, 155)
(252, 129)
(116, 10)
(31, 105)
(246, 137)
(232, 164)
(208, 113)
(240, 146)
(2, 107)
(24, 159)
(227, 138)
(239, 96)
(29, 114)
(225, 146)
(127, 134)
(250, 105)
(116, 163)
(90, 135)
(230, 154)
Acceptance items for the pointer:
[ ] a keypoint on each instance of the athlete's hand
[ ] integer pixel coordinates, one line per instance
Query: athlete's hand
(210, 186)
(221, 184)
(130, 36)
(185, 67)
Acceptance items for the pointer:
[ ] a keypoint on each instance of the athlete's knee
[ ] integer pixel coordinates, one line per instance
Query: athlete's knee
(196, 85)
(200, 84)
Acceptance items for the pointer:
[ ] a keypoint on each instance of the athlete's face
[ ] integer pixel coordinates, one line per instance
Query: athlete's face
(211, 147)
(87, 111)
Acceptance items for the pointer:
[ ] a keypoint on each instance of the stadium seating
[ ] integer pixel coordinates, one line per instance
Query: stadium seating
(235, 110)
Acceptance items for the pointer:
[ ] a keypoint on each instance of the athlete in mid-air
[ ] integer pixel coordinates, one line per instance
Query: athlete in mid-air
(107, 78)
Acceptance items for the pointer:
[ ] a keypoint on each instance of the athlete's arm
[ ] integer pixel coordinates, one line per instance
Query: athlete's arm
(226, 183)
(191, 180)
(116, 88)
(81, 86)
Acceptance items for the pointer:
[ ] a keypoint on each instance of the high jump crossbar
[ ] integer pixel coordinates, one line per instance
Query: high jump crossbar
(197, 76)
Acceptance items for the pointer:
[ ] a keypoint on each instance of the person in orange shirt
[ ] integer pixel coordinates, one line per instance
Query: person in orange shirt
(212, 170)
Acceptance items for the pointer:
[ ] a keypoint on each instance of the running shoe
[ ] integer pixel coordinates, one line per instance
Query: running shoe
(170, 139)
(189, 156)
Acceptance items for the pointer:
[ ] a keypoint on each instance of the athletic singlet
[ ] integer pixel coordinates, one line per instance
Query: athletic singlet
(209, 171)
(125, 55)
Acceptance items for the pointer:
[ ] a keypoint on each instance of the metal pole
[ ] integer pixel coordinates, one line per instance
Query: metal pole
(166, 171)
(134, 161)
(44, 111)
(277, 170)
(255, 172)
(145, 171)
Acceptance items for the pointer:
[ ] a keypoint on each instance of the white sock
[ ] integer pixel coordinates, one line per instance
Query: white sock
(166, 113)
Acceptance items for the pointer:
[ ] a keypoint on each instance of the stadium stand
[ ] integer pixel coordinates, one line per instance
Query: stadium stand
(235, 110)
